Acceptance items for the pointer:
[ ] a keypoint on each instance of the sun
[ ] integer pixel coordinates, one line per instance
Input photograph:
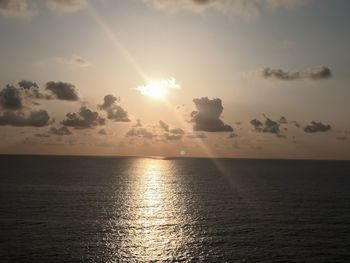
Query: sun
(158, 89)
(154, 90)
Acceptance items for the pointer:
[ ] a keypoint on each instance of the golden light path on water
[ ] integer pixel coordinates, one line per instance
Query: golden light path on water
(153, 221)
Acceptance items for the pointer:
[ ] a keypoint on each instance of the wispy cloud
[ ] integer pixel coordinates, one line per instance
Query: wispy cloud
(14, 8)
(316, 73)
(66, 5)
(74, 60)
(243, 8)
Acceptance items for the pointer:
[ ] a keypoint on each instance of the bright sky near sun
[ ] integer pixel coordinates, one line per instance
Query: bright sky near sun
(196, 78)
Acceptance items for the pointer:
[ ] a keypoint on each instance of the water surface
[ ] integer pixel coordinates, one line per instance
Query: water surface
(89, 209)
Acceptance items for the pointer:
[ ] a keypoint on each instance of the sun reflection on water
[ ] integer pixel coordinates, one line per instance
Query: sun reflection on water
(151, 228)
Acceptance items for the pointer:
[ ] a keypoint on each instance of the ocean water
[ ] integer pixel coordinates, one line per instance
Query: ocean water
(89, 209)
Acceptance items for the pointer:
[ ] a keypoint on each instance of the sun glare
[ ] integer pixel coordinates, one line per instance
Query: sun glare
(158, 89)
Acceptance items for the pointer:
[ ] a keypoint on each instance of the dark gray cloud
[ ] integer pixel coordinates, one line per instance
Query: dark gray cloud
(84, 119)
(15, 98)
(313, 73)
(60, 131)
(317, 127)
(118, 114)
(268, 126)
(31, 90)
(140, 132)
(11, 98)
(108, 101)
(63, 91)
(114, 111)
(257, 124)
(207, 116)
(163, 125)
(27, 84)
(37, 118)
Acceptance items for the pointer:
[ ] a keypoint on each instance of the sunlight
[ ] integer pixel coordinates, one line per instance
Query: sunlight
(155, 213)
(158, 89)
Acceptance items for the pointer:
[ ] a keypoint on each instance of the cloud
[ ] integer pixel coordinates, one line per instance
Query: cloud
(102, 132)
(316, 73)
(196, 136)
(163, 125)
(31, 90)
(283, 120)
(66, 5)
(243, 8)
(268, 126)
(138, 123)
(140, 132)
(207, 116)
(84, 119)
(342, 138)
(60, 131)
(75, 61)
(317, 127)
(232, 135)
(14, 7)
(177, 131)
(158, 88)
(37, 118)
(26, 84)
(296, 124)
(63, 91)
(11, 98)
(172, 137)
(15, 98)
(42, 135)
(114, 111)
(108, 101)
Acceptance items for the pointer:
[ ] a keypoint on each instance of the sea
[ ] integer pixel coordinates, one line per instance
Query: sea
(119, 209)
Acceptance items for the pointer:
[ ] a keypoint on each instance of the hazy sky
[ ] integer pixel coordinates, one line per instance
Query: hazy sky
(257, 78)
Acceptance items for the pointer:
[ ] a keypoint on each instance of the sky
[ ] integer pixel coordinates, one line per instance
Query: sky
(206, 78)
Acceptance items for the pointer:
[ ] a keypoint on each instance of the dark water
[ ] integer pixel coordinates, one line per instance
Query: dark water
(76, 209)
